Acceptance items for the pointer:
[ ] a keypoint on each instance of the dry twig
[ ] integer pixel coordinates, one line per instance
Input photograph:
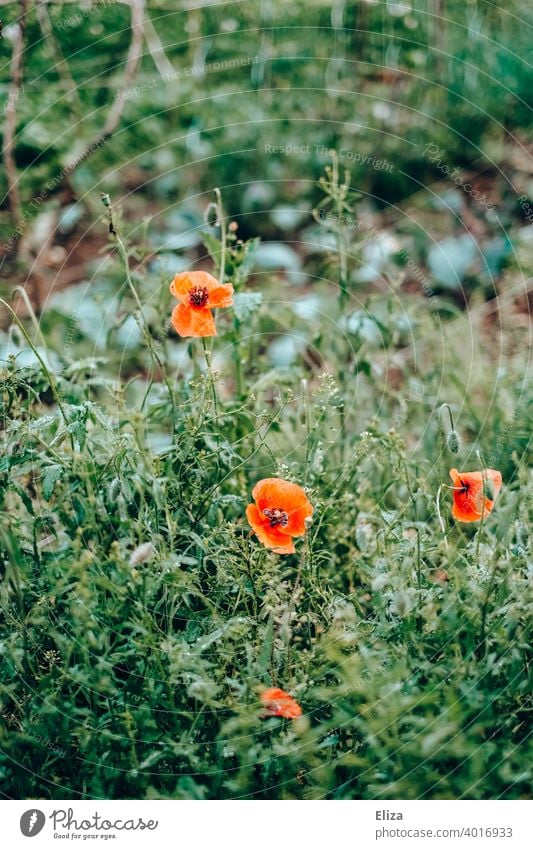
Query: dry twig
(16, 70)
(132, 65)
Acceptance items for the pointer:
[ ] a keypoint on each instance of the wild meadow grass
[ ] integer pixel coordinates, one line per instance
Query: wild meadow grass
(141, 617)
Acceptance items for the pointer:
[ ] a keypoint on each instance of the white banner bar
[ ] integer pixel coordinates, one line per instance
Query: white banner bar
(256, 825)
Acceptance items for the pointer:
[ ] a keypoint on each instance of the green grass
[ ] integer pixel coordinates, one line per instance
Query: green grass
(135, 680)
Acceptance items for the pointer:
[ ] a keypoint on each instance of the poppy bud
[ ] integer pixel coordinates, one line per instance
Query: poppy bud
(453, 441)
(211, 215)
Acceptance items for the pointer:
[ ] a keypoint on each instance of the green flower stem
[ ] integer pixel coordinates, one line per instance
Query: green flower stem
(449, 411)
(483, 479)
(143, 325)
(439, 515)
(223, 236)
(484, 612)
(207, 354)
(237, 359)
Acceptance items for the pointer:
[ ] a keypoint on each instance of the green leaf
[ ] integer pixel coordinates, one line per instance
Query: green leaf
(243, 259)
(246, 303)
(9, 461)
(50, 477)
(213, 245)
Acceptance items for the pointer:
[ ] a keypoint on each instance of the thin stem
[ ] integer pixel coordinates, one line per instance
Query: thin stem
(483, 479)
(292, 601)
(157, 51)
(439, 516)
(221, 220)
(222, 224)
(448, 408)
(408, 482)
(11, 118)
(238, 365)
(31, 312)
(143, 325)
(51, 380)
(207, 355)
(485, 610)
(343, 432)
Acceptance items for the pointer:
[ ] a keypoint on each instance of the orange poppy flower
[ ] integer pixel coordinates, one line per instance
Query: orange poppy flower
(279, 513)
(198, 292)
(278, 703)
(468, 493)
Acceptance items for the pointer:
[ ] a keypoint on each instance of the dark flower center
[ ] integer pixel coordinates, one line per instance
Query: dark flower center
(198, 296)
(277, 517)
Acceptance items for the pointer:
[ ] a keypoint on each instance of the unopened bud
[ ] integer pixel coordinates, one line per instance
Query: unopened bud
(211, 215)
(453, 441)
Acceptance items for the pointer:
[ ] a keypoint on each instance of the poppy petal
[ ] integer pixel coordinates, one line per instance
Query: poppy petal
(271, 537)
(255, 518)
(274, 492)
(222, 296)
(278, 703)
(463, 512)
(193, 322)
(468, 493)
(296, 526)
(180, 286)
(187, 280)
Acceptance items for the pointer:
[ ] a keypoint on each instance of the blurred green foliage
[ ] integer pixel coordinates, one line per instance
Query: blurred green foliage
(364, 77)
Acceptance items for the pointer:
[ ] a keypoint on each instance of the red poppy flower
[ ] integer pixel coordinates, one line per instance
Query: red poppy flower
(279, 513)
(198, 292)
(278, 703)
(468, 493)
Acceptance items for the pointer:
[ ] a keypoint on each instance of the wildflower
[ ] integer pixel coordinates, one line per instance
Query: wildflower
(279, 513)
(278, 703)
(142, 553)
(468, 493)
(198, 292)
